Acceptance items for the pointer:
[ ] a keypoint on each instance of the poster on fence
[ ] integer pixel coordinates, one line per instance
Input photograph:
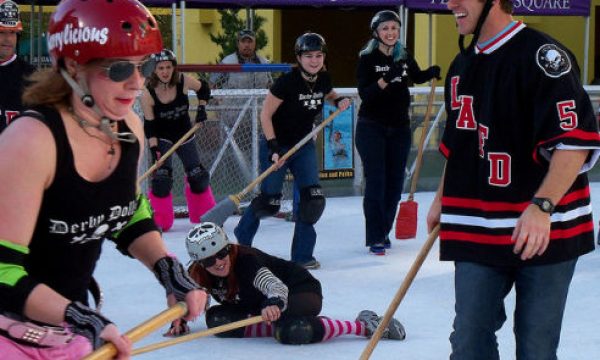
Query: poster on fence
(338, 144)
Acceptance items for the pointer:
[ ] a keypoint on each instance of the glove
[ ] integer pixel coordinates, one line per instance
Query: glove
(155, 153)
(201, 113)
(273, 148)
(173, 277)
(394, 72)
(178, 328)
(434, 72)
(273, 301)
(86, 322)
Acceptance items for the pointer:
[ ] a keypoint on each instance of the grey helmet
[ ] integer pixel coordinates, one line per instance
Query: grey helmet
(205, 240)
(165, 55)
(310, 42)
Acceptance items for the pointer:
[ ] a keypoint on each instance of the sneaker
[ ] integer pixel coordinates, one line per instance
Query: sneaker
(312, 264)
(377, 249)
(371, 320)
(387, 243)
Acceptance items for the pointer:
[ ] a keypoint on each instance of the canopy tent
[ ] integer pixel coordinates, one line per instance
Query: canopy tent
(521, 7)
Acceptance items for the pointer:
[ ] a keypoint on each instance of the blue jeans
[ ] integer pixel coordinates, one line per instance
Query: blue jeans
(541, 295)
(303, 165)
(383, 151)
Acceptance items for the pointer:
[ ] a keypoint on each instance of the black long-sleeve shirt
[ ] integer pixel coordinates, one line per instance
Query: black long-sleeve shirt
(387, 106)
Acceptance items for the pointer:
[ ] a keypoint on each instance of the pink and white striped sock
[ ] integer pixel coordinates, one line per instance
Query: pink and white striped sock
(335, 328)
(259, 330)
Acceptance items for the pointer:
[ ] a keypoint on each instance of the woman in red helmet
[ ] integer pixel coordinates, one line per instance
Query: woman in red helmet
(69, 170)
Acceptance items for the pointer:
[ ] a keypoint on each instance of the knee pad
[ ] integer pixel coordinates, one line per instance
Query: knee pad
(198, 178)
(298, 330)
(312, 204)
(162, 182)
(222, 314)
(266, 205)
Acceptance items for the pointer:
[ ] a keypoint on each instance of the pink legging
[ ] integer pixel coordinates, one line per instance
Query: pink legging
(75, 350)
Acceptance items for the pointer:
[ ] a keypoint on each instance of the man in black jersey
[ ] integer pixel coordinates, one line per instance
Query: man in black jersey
(13, 70)
(514, 201)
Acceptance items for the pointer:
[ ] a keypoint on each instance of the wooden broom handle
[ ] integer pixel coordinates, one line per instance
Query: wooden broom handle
(211, 331)
(173, 148)
(415, 177)
(410, 276)
(108, 350)
(238, 197)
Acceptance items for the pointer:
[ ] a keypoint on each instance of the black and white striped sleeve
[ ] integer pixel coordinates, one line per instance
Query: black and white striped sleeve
(271, 286)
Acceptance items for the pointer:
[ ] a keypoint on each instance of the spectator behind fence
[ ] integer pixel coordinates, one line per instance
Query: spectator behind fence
(383, 134)
(245, 54)
(514, 202)
(13, 70)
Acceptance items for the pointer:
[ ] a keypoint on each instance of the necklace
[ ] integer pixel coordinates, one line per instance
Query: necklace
(84, 124)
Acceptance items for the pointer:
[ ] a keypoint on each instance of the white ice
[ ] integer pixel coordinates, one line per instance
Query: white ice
(352, 281)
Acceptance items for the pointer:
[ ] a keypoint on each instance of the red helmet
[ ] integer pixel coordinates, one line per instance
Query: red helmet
(86, 30)
(9, 16)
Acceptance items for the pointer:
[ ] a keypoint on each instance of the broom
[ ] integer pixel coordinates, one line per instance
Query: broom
(229, 205)
(406, 220)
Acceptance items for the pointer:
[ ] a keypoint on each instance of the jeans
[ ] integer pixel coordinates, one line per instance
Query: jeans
(303, 165)
(187, 153)
(383, 151)
(541, 295)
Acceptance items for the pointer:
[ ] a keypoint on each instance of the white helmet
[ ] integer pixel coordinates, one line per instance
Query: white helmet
(205, 240)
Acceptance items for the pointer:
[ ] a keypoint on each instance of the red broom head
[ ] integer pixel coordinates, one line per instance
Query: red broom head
(406, 221)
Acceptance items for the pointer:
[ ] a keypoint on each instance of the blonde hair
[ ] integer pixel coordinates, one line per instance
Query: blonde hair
(47, 87)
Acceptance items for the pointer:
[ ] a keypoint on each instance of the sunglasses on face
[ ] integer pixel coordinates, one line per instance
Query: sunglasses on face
(212, 260)
(121, 70)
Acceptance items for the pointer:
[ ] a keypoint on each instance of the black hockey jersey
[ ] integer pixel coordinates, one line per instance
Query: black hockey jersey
(13, 73)
(510, 105)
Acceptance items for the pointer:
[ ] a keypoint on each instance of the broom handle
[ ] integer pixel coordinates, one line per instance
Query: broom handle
(211, 331)
(108, 350)
(171, 151)
(410, 276)
(238, 197)
(415, 177)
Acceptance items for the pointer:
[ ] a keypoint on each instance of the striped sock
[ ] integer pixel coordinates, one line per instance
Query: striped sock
(335, 328)
(259, 330)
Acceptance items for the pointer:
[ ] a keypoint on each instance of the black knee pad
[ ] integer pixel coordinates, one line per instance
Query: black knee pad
(199, 179)
(299, 330)
(312, 204)
(266, 205)
(162, 182)
(222, 314)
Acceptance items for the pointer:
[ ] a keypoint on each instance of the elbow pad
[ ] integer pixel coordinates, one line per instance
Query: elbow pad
(149, 128)
(204, 92)
(15, 283)
(140, 223)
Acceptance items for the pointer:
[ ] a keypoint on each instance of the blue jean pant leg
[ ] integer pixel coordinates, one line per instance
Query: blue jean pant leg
(541, 293)
(303, 166)
(272, 184)
(383, 152)
(479, 291)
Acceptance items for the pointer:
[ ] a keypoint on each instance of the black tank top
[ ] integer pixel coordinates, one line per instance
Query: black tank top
(172, 119)
(76, 215)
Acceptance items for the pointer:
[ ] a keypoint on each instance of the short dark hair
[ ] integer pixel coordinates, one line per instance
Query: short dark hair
(505, 5)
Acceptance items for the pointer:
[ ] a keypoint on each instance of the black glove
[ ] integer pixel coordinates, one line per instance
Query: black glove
(395, 71)
(155, 153)
(86, 322)
(434, 72)
(173, 277)
(273, 301)
(201, 113)
(273, 149)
